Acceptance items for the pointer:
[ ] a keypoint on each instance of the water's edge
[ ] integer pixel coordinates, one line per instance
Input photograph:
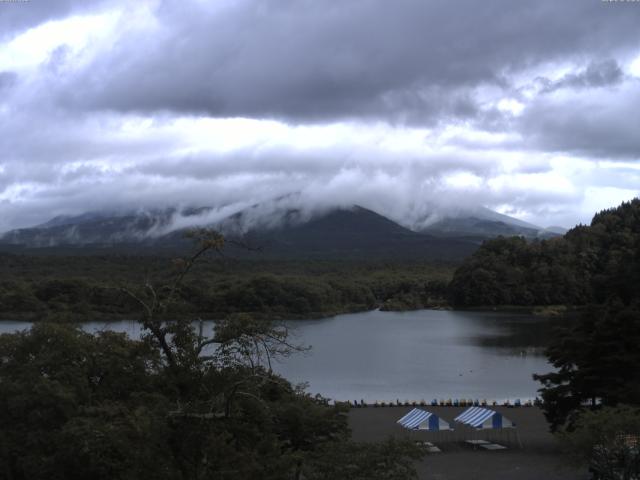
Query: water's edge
(407, 357)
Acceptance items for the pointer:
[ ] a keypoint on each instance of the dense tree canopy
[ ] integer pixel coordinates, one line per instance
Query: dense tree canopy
(589, 264)
(596, 359)
(74, 288)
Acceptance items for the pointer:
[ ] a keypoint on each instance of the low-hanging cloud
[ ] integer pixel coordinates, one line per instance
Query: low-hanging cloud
(410, 108)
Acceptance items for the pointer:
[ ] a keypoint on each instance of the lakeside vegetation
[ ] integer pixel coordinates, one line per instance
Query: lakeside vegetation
(590, 264)
(77, 288)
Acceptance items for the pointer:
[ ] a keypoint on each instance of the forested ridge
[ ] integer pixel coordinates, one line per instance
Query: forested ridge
(76, 288)
(589, 264)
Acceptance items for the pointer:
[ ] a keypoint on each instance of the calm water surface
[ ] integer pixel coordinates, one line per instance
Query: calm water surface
(417, 355)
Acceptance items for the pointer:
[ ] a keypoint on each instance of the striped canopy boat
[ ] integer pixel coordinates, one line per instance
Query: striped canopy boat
(418, 419)
(482, 418)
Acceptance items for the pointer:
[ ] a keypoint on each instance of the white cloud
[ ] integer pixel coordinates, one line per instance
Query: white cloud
(634, 67)
(158, 103)
(34, 47)
(511, 105)
(402, 172)
(463, 180)
(600, 198)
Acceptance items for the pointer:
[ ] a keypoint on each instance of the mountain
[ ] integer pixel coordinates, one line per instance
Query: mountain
(342, 232)
(350, 232)
(481, 223)
(95, 229)
(556, 230)
(141, 232)
(477, 227)
(277, 229)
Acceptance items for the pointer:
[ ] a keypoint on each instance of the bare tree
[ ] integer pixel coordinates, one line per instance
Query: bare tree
(175, 338)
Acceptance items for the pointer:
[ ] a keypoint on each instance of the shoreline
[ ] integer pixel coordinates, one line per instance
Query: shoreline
(542, 311)
(507, 402)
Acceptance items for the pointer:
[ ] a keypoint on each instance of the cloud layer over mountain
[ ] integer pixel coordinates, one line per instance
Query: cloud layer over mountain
(405, 107)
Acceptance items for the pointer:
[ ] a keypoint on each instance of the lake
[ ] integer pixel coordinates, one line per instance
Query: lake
(425, 354)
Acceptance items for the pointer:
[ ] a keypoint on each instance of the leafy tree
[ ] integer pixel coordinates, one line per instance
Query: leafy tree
(56, 380)
(596, 361)
(608, 440)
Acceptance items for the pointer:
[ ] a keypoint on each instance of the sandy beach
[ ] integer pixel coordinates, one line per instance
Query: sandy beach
(531, 455)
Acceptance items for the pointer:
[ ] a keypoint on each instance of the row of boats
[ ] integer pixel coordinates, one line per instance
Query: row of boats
(456, 402)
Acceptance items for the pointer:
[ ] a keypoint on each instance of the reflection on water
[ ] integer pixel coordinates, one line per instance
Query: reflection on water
(417, 355)
(422, 355)
(513, 334)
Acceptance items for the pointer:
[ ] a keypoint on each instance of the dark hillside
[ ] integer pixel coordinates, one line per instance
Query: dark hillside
(353, 233)
(595, 263)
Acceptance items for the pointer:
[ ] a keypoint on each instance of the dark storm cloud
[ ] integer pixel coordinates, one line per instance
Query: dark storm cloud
(596, 75)
(406, 60)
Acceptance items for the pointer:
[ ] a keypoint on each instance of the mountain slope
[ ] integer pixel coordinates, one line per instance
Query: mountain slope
(346, 233)
(278, 228)
(355, 232)
(98, 229)
(481, 223)
(478, 227)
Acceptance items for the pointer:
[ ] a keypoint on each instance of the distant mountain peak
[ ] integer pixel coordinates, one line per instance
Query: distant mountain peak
(283, 223)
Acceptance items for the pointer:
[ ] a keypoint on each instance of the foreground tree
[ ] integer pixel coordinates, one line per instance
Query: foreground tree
(177, 404)
(596, 360)
(608, 440)
(72, 405)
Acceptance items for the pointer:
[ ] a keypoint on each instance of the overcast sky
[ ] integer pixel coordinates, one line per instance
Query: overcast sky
(405, 106)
